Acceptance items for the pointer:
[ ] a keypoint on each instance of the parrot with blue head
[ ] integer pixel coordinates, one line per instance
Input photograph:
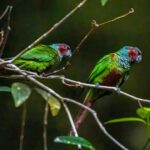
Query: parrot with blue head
(111, 70)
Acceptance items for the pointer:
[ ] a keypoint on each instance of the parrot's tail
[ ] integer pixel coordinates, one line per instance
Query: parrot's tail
(81, 116)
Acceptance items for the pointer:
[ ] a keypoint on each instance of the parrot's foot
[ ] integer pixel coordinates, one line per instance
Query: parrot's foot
(118, 90)
(43, 74)
(97, 84)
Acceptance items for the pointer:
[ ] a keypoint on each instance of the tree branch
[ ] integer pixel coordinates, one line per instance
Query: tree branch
(45, 123)
(95, 25)
(74, 83)
(23, 122)
(5, 31)
(71, 121)
(1, 37)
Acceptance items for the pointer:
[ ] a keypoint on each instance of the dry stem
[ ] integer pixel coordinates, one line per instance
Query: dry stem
(95, 25)
(23, 122)
(45, 123)
(6, 29)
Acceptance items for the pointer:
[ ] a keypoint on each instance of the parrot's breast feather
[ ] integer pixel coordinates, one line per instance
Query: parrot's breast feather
(113, 78)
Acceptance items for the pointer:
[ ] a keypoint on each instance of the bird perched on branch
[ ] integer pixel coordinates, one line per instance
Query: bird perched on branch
(43, 57)
(112, 70)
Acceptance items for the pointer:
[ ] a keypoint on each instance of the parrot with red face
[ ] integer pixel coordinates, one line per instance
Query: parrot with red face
(111, 70)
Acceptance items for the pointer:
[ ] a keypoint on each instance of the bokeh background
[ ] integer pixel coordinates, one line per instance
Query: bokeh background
(31, 18)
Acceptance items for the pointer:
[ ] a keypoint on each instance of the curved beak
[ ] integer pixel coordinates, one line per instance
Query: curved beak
(69, 53)
(139, 59)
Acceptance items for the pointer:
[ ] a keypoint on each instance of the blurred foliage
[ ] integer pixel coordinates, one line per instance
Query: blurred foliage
(29, 20)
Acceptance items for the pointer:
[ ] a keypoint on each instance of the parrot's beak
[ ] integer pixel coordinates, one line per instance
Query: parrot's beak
(69, 54)
(139, 59)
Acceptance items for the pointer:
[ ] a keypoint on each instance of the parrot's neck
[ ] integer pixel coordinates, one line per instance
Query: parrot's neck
(54, 46)
(124, 62)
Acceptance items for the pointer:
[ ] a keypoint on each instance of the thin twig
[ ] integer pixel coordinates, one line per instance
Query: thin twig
(6, 28)
(45, 123)
(1, 37)
(95, 25)
(23, 122)
(71, 121)
(75, 83)
(43, 36)
(5, 12)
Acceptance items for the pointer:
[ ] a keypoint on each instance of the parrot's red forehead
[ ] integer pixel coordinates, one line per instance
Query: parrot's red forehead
(133, 52)
(63, 48)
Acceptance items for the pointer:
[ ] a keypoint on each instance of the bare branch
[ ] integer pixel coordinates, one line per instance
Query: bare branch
(70, 82)
(71, 121)
(5, 12)
(74, 83)
(43, 36)
(95, 25)
(1, 37)
(6, 28)
(23, 122)
(45, 123)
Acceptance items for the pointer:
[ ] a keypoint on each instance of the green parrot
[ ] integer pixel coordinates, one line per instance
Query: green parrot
(43, 57)
(112, 70)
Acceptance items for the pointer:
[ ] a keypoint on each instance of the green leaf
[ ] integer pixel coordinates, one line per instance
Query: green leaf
(103, 2)
(20, 93)
(43, 93)
(74, 141)
(5, 89)
(143, 112)
(53, 102)
(126, 119)
(54, 105)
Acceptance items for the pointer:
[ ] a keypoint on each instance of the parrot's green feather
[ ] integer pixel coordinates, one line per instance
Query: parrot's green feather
(112, 70)
(38, 58)
(32, 65)
(107, 67)
(40, 53)
(99, 69)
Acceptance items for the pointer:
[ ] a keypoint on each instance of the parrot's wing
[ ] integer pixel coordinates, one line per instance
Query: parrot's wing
(100, 67)
(40, 53)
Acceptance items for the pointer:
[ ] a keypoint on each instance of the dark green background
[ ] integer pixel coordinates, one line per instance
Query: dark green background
(31, 18)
